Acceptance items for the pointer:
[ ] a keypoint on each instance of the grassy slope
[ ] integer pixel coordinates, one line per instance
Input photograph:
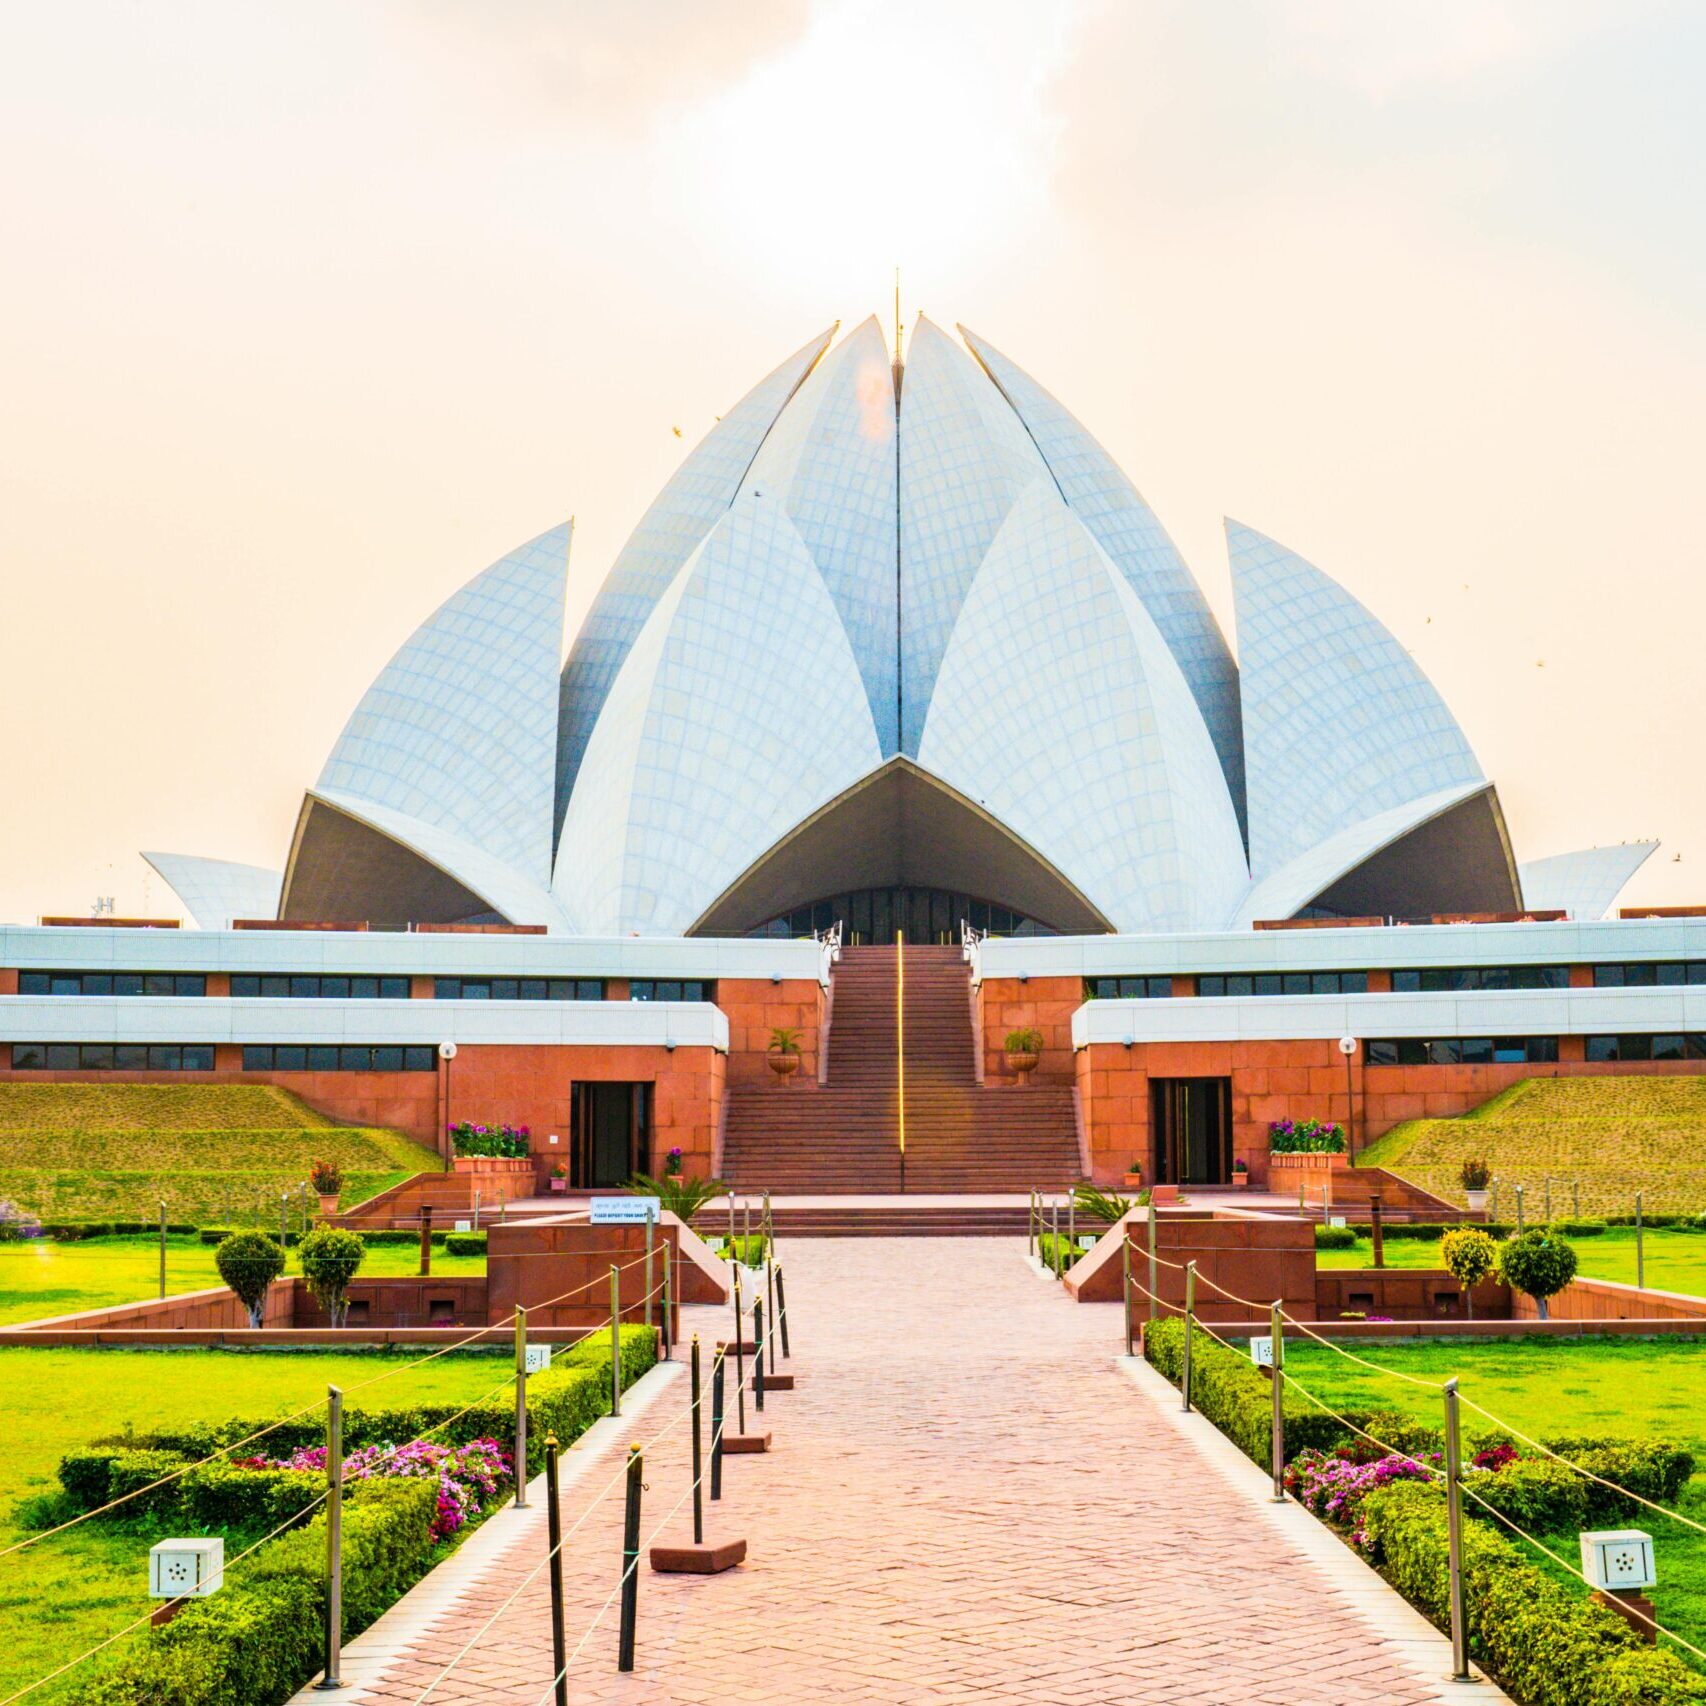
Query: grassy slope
(1616, 1135)
(1675, 1261)
(60, 1597)
(41, 1278)
(1555, 1386)
(210, 1152)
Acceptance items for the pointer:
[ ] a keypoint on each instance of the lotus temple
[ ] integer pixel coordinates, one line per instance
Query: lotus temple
(898, 727)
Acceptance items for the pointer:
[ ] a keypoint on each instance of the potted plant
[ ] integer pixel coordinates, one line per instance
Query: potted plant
(1024, 1052)
(1475, 1175)
(784, 1052)
(1240, 1174)
(1134, 1177)
(672, 1163)
(559, 1179)
(327, 1178)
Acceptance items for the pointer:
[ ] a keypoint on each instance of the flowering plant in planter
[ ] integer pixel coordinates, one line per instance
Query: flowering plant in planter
(509, 1142)
(672, 1163)
(1306, 1137)
(327, 1178)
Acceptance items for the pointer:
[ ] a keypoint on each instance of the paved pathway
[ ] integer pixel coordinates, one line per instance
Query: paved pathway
(967, 1501)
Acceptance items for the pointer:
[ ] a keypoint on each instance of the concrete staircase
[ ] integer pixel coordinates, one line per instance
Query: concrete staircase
(842, 1136)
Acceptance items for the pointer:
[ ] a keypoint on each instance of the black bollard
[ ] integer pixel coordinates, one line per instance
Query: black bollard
(758, 1353)
(770, 1282)
(630, 1562)
(698, 1457)
(740, 1364)
(717, 1426)
(554, 1538)
(782, 1309)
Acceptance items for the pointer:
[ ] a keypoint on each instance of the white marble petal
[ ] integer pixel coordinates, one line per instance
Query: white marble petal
(739, 711)
(1106, 501)
(214, 891)
(1585, 884)
(680, 516)
(1060, 709)
(964, 461)
(1339, 723)
(459, 730)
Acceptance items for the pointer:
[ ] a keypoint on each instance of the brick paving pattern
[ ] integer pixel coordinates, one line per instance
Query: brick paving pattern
(966, 1501)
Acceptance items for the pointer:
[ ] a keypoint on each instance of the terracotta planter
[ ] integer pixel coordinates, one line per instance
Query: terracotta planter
(489, 1164)
(784, 1063)
(1023, 1065)
(1133, 1181)
(556, 1184)
(328, 1204)
(1314, 1160)
(1239, 1182)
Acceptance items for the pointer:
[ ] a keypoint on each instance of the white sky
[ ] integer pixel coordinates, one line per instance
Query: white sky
(313, 308)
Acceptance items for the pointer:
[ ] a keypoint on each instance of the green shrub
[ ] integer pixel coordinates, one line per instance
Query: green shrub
(330, 1258)
(1235, 1395)
(1656, 1469)
(1469, 1256)
(1335, 1238)
(1538, 1495)
(249, 1262)
(681, 1194)
(1548, 1644)
(749, 1251)
(1539, 1263)
(465, 1244)
(1580, 1228)
(1107, 1208)
(258, 1640)
(219, 1496)
(98, 1475)
(1052, 1247)
(214, 1234)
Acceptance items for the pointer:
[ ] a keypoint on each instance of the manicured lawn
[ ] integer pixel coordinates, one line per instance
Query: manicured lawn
(62, 1595)
(41, 1277)
(1554, 1387)
(1675, 1261)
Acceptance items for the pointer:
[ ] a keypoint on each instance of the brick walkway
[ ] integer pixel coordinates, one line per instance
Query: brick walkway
(966, 1502)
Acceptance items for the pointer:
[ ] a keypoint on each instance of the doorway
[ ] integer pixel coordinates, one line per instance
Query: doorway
(1190, 1123)
(609, 1134)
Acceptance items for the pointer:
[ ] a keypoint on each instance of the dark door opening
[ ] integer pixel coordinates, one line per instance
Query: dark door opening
(1190, 1123)
(609, 1134)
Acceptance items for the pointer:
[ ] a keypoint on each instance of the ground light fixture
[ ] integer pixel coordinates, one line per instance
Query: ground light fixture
(188, 1569)
(1619, 1560)
(1348, 1048)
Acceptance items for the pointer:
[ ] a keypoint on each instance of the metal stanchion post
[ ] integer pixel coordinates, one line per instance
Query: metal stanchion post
(1575, 1199)
(426, 1239)
(746, 1223)
(476, 1221)
(717, 1426)
(1072, 1221)
(1125, 1283)
(731, 1226)
(668, 1323)
(651, 1233)
(1154, 1278)
(520, 1408)
(284, 1221)
(1190, 1328)
(1454, 1534)
(1031, 1224)
(162, 1249)
(554, 1539)
(740, 1361)
(615, 1341)
(1493, 1202)
(1519, 1220)
(630, 1562)
(1640, 1247)
(698, 1456)
(334, 1539)
(769, 1227)
(1548, 1199)
(770, 1292)
(782, 1310)
(1054, 1238)
(1376, 1230)
(1278, 1425)
(758, 1353)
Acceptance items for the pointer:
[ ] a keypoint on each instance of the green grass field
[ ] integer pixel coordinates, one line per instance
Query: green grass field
(1614, 1135)
(40, 1277)
(1551, 1387)
(213, 1153)
(66, 1593)
(1675, 1261)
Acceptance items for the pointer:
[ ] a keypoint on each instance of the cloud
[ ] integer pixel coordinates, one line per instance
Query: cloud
(604, 63)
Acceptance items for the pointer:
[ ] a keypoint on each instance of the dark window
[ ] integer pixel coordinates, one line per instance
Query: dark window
(111, 983)
(419, 1058)
(130, 983)
(532, 989)
(159, 983)
(257, 1058)
(381, 1057)
(1645, 974)
(34, 983)
(109, 1057)
(62, 1057)
(97, 983)
(322, 1059)
(1127, 988)
(671, 989)
(290, 1057)
(1434, 980)
(131, 1057)
(29, 1057)
(387, 1059)
(1283, 983)
(198, 1057)
(1454, 1051)
(97, 1057)
(334, 989)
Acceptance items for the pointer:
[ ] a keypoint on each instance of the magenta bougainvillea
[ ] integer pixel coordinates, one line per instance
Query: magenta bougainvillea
(468, 1476)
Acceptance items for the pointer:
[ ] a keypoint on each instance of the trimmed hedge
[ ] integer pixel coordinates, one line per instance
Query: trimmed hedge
(1335, 1237)
(258, 1640)
(1548, 1644)
(1236, 1396)
(748, 1251)
(465, 1244)
(1068, 1252)
(218, 1496)
(1654, 1468)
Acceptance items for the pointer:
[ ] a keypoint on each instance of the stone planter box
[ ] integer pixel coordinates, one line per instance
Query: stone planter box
(513, 1166)
(1315, 1161)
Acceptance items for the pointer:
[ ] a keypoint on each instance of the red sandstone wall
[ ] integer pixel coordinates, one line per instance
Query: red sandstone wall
(1605, 1300)
(754, 1008)
(1005, 1004)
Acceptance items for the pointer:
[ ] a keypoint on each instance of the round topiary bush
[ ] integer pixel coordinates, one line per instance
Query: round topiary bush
(249, 1262)
(1469, 1256)
(1539, 1263)
(1335, 1238)
(330, 1257)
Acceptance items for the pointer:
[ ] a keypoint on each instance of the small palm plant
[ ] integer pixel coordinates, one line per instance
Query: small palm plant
(680, 1194)
(784, 1052)
(1108, 1207)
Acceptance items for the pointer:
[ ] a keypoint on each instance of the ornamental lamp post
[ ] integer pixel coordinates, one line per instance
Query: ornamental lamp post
(1348, 1048)
(446, 1054)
